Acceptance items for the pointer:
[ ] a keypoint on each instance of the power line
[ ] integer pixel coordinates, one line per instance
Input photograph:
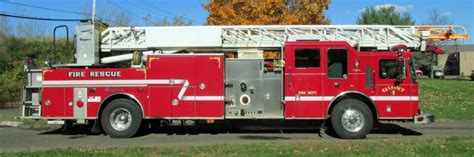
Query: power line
(126, 10)
(51, 9)
(167, 12)
(40, 18)
(138, 6)
(86, 14)
(57, 10)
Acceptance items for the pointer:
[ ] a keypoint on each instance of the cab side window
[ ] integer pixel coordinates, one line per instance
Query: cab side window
(388, 69)
(337, 63)
(307, 58)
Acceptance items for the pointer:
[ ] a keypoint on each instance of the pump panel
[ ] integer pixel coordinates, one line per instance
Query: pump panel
(250, 91)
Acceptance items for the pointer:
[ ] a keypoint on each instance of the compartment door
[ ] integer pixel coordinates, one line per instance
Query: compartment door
(209, 86)
(52, 103)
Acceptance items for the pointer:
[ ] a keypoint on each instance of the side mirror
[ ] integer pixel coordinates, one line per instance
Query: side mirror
(401, 69)
(384, 74)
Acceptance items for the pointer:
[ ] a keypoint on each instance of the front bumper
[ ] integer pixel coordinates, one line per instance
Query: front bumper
(424, 118)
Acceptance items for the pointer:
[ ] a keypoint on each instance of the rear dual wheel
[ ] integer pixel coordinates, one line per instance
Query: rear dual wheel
(351, 119)
(121, 118)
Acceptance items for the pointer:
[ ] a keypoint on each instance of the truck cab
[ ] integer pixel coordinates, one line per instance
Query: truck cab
(320, 77)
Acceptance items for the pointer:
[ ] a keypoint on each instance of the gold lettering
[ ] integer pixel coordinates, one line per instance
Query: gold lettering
(393, 89)
(302, 92)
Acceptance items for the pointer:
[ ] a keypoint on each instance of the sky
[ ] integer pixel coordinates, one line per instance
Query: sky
(339, 12)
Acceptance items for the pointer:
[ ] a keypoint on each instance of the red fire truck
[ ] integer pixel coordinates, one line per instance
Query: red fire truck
(349, 75)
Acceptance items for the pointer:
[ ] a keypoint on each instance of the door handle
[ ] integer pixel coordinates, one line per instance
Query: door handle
(291, 74)
(337, 84)
(373, 79)
(291, 77)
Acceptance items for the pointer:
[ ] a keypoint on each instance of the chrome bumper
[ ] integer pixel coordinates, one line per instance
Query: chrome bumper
(424, 118)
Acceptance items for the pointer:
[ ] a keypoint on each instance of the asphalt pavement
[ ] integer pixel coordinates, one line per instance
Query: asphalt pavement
(16, 139)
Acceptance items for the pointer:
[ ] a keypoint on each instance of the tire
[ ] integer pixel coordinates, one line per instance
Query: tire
(117, 126)
(351, 119)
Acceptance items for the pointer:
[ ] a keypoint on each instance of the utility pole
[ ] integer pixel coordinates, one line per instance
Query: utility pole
(93, 11)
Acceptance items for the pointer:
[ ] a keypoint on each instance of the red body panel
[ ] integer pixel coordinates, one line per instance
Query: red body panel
(167, 78)
(59, 84)
(69, 97)
(196, 70)
(192, 86)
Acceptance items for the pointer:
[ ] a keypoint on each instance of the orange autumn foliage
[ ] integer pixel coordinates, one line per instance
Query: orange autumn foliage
(266, 12)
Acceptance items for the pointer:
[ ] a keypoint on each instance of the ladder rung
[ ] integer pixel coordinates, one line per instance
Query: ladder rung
(177, 38)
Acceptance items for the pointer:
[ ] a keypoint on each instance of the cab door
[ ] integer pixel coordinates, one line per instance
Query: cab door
(337, 79)
(303, 80)
(393, 97)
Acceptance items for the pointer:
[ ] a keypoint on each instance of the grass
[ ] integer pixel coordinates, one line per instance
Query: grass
(37, 124)
(8, 117)
(450, 146)
(448, 99)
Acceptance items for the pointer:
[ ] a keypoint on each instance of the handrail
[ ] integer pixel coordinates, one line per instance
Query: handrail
(54, 40)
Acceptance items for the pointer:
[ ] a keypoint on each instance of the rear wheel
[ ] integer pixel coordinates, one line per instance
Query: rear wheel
(121, 118)
(351, 119)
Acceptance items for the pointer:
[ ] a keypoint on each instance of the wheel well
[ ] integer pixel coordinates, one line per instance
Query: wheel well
(366, 100)
(115, 97)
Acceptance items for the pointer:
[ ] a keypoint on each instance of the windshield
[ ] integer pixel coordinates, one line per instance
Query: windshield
(412, 70)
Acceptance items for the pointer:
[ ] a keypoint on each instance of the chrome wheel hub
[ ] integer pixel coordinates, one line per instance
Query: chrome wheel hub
(120, 119)
(352, 120)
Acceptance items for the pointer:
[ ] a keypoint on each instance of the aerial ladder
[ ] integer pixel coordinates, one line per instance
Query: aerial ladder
(250, 38)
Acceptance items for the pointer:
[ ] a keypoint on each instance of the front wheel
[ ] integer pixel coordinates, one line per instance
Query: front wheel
(351, 119)
(121, 118)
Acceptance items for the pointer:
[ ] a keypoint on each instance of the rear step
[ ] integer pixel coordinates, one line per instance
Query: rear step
(56, 122)
(31, 95)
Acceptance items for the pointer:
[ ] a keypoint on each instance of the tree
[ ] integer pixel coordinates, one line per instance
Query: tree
(111, 16)
(180, 21)
(436, 17)
(22, 27)
(121, 19)
(4, 26)
(28, 28)
(384, 16)
(427, 60)
(13, 51)
(263, 12)
(177, 21)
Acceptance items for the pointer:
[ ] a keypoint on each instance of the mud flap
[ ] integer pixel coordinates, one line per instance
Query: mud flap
(97, 127)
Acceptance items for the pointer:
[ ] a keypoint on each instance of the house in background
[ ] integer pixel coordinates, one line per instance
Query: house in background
(457, 59)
